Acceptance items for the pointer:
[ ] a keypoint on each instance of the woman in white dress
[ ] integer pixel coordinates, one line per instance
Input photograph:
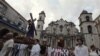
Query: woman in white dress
(93, 51)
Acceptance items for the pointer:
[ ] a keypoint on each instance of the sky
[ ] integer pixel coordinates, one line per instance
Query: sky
(55, 9)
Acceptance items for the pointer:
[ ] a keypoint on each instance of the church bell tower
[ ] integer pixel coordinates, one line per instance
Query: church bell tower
(40, 24)
(87, 27)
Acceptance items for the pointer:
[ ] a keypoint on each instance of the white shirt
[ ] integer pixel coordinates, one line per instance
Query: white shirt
(81, 51)
(23, 46)
(93, 53)
(22, 49)
(7, 44)
(49, 51)
(35, 50)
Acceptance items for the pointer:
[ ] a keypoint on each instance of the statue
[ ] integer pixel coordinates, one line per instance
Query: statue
(31, 27)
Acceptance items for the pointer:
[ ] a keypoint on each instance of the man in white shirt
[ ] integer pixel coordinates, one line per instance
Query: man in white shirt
(8, 45)
(49, 50)
(93, 51)
(81, 49)
(22, 50)
(35, 49)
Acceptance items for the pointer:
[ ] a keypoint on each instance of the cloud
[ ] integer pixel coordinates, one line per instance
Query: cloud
(55, 9)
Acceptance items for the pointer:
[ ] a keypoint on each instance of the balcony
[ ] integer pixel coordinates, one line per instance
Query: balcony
(12, 25)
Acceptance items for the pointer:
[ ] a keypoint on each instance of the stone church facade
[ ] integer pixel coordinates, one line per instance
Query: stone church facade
(62, 29)
(56, 30)
(89, 29)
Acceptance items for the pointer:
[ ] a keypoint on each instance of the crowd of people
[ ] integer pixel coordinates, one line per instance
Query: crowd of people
(79, 50)
(11, 48)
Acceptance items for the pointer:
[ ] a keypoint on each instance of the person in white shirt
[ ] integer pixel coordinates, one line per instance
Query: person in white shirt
(93, 51)
(8, 45)
(49, 50)
(35, 49)
(22, 50)
(81, 49)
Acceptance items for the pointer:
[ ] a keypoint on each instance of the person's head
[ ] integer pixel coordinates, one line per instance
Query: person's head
(3, 32)
(58, 47)
(80, 41)
(36, 41)
(8, 36)
(15, 35)
(29, 22)
(92, 47)
(44, 42)
(49, 45)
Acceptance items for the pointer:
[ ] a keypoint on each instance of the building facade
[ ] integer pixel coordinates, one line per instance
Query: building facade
(10, 19)
(88, 29)
(61, 29)
(40, 24)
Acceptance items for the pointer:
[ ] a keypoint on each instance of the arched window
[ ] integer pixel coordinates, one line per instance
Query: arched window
(87, 18)
(89, 29)
(40, 18)
(61, 28)
(38, 26)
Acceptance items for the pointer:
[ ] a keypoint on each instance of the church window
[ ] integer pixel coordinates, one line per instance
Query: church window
(89, 29)
(40, 18)
(92, 39)
(61, 28)
(87, 18)
(38, 26)
(68, 30)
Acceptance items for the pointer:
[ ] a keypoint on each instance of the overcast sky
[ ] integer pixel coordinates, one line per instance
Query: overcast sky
(55, 9)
